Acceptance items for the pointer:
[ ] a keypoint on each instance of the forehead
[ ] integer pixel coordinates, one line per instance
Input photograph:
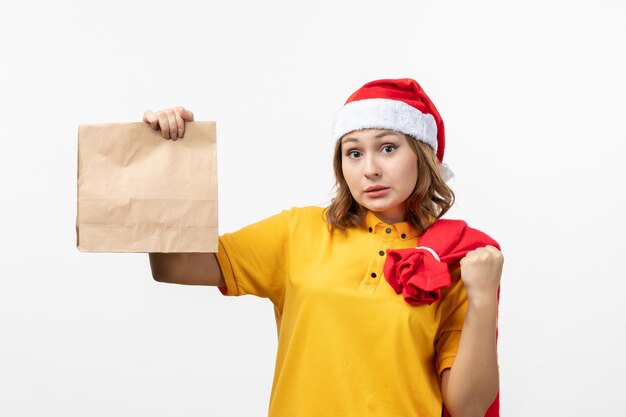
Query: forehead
(370, 134)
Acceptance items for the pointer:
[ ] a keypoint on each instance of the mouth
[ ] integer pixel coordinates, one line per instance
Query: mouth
(375, 188)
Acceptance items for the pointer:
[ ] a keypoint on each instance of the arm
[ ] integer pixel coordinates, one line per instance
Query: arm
(186, 268)
(471, 385)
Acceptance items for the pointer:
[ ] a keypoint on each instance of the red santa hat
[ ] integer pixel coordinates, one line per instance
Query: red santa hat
(395, 104)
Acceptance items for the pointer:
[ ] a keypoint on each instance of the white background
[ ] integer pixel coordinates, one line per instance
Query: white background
(532, 95)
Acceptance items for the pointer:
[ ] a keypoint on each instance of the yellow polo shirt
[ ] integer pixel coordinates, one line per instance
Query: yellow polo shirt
(348, 345)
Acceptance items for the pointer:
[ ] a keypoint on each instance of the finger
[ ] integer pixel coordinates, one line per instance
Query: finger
(165, 124)
(181, 125)
(150, 117)
(497, 253)
(492, 248)
(185, 114)
(171, 118)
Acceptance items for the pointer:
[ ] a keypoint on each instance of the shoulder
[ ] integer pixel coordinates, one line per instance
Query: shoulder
(289, 218)
(306, 214)
(306, 221)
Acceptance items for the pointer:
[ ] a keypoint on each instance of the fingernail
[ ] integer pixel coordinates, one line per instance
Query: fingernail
(180, 133)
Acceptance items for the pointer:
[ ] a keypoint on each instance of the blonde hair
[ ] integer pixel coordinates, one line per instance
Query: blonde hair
(430, 198)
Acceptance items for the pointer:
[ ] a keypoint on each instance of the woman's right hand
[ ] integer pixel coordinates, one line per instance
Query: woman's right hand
(171, 121)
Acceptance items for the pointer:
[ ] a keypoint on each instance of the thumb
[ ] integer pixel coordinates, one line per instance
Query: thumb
(151, 118)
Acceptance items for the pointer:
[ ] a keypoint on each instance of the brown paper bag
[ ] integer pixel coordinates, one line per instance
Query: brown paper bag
(138, 192)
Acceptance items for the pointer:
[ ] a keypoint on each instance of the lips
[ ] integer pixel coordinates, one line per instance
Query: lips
(375, 188)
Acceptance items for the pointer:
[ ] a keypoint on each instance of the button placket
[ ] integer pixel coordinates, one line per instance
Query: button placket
(381, 254)
(376, 265)
(380, 234)
(386, 237)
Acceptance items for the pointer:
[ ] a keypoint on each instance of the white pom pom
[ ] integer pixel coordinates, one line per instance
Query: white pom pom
(446, 173)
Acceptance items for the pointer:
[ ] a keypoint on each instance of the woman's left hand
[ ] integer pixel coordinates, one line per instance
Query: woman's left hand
(481, 270)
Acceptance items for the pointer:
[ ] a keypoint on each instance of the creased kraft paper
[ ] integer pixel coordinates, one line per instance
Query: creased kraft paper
(138, 192)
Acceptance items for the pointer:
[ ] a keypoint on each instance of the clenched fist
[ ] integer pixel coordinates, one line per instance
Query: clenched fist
(481, 270)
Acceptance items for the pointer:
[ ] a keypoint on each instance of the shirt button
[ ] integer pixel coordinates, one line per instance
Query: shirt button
(381, 253)
(373, 274)
(370, 229)
(388, 230)
(403, 235)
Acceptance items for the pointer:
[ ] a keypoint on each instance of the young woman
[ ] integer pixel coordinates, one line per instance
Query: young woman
(348, 343)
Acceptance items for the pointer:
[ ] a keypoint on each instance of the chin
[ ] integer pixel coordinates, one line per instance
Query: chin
(377, 207)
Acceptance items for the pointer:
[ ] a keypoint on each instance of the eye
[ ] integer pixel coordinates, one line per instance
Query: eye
(352, 153)
(389, 148)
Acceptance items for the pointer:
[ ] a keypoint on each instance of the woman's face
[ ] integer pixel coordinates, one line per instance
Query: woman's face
(381, 171)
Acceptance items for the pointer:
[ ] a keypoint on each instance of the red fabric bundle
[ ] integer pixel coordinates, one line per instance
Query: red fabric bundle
(420, 273)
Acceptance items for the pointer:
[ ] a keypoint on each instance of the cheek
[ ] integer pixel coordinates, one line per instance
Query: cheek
(348, 172)
(351, 175)
(409, 173)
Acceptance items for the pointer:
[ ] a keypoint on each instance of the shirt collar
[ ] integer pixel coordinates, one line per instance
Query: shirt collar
(376, 225)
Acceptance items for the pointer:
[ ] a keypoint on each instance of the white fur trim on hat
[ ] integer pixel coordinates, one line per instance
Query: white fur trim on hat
(446, 172)
(384, 113)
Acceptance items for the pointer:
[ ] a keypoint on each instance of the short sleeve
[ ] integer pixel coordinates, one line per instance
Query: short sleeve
(253, 259)
(452, 316)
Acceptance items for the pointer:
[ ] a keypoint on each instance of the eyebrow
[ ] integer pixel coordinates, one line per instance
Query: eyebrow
(380, 135)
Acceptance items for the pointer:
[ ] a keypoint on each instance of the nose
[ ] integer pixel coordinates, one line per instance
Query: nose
(372, 168)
